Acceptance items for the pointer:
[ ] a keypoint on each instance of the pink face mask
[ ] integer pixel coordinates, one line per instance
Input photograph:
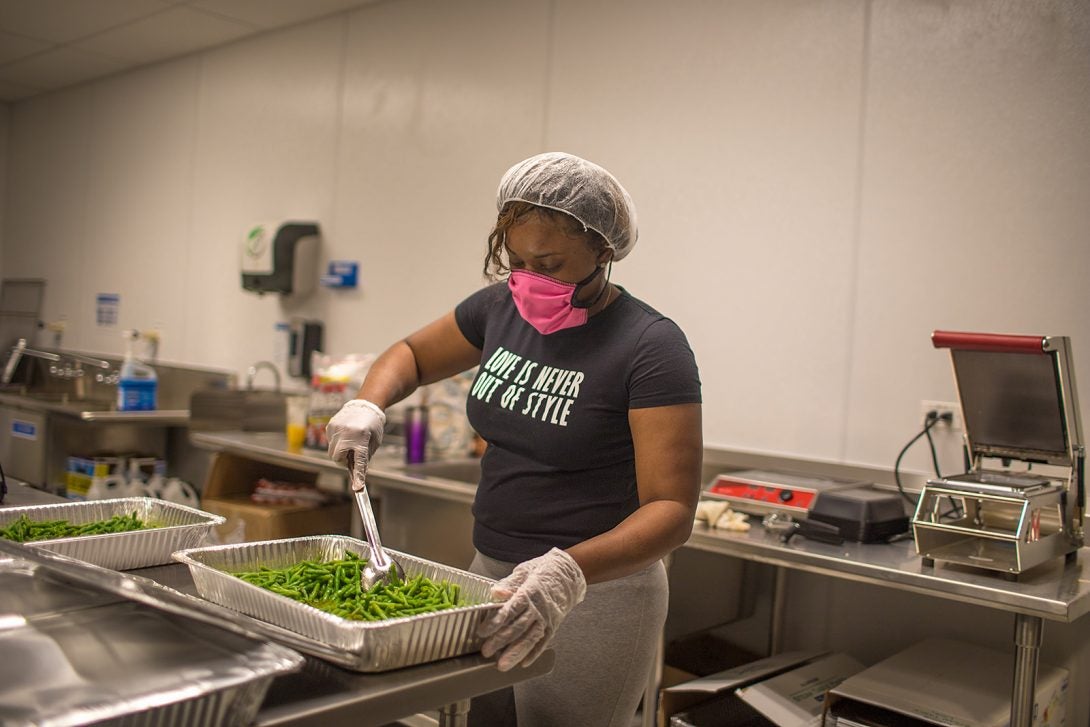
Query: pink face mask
(548, 304)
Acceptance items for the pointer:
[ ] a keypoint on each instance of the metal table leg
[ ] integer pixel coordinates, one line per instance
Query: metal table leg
(649, 716)
(1027, 647)
(454, 715)
(779, 603)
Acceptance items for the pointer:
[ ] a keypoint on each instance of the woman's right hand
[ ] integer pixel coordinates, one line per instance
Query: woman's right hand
(357, 430)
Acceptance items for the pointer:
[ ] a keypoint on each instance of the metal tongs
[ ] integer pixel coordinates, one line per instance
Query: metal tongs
(379, 565)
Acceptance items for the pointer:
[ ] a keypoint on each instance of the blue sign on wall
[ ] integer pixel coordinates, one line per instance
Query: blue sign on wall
(342, 274)
(24, 430)
(106, 306)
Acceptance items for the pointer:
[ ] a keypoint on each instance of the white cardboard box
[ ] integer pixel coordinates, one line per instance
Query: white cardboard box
(691, 693)
(796, 698)
(946, 682)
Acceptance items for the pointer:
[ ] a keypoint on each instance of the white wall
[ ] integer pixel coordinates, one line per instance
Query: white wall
(820, 184)
(5, 121)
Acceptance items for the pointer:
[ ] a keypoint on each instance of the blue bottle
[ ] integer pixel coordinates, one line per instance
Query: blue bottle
(138, 384)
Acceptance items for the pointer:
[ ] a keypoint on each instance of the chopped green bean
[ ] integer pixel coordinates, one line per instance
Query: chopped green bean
(334, 586)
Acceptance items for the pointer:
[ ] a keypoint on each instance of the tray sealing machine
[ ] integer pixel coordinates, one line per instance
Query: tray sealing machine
(1023, 500)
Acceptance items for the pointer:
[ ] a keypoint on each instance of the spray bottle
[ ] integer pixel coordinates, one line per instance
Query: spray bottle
(138, 384)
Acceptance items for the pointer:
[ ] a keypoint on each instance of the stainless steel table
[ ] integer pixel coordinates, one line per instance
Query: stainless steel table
(272, 447)
(1055, 591)
(329, 696)
(325, 695)
(1058, 591)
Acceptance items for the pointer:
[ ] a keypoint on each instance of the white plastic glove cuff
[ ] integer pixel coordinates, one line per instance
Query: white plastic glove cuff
(370, 406)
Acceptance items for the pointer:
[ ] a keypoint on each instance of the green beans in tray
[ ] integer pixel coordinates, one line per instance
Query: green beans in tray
(25, 530)
(334, 586)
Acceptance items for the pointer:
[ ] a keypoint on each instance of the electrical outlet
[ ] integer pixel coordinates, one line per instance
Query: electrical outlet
(943, 407)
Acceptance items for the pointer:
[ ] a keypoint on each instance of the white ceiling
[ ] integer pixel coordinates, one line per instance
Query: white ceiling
(49, 44)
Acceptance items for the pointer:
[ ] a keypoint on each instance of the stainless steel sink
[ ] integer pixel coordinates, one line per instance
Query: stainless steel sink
(426, 509)
(58, 397)
(251, 410)
(55, 399)
(466, 470)
(47, 395)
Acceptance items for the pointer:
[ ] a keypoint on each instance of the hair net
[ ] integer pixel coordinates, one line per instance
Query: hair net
(580, 188)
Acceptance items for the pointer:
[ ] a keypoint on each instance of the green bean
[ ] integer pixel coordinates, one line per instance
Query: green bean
(24, 530)
(334, 586)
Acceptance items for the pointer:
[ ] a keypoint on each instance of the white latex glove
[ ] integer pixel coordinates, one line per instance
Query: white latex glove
(731, 520)
(539, 594)
(710, 510)
(356, 429)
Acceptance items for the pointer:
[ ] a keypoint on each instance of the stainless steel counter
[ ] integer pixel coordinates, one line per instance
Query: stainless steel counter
(326, 695)
(271, 447)
(1055, 591)
(391, 469)
(1058, 591)
(94, 411)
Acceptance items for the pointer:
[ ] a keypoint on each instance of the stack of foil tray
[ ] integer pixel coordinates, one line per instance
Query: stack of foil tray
(75, 653)
(177, 527)
(366, 646)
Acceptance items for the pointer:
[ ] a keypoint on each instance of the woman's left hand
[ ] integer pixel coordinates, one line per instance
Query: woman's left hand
(539, 594)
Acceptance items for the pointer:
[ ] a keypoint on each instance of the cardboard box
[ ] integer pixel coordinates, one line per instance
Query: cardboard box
(796, 698)
(82, 473)
(947, 682)
(671, 675)
(227, 490)
(723, 710)
(720, 686)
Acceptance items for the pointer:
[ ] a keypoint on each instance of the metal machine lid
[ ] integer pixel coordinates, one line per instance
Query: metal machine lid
(1017, 395)
(1009, 483)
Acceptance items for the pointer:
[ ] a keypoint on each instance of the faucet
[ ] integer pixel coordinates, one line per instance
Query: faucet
(77, 371)
(96, 362)
(17, 352)
(252, 372)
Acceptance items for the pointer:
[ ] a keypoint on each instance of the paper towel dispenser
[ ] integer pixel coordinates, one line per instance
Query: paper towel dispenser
(281, 258)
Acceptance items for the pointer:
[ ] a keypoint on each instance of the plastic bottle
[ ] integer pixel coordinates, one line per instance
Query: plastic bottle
(327, 396)
(416, 434)
(138, 384)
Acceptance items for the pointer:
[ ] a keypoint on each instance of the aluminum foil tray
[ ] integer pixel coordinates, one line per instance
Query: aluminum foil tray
(181, 527)
(76, 655)
(368, 646)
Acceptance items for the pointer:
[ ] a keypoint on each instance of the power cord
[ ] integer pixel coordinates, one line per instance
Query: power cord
(955, 508)
(932, 418)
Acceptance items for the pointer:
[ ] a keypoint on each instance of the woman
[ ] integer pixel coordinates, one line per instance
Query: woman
(589, 401)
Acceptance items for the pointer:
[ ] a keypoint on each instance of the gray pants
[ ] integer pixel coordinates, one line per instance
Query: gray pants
(605, 650)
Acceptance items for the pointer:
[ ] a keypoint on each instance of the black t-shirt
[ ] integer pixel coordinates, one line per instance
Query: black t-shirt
(559, 467)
